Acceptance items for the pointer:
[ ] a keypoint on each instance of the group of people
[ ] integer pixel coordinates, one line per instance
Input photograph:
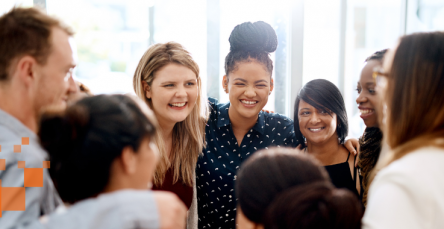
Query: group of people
(219, 165)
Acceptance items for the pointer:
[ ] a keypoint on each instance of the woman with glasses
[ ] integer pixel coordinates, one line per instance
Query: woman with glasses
(408, 189)
(368, 101)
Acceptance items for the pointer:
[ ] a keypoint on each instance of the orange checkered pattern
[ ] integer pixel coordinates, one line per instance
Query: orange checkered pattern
(14, 198)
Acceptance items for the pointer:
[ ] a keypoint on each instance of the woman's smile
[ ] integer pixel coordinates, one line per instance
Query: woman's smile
(249, 103)
(316, 130)
(178, 106)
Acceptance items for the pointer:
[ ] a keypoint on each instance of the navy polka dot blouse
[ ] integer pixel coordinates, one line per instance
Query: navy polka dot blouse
(222, 157)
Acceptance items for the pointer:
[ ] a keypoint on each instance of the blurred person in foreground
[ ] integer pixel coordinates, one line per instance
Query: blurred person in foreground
(407, 191)
(36, 66)
(368, 103)
(283, 188)
(98, 145)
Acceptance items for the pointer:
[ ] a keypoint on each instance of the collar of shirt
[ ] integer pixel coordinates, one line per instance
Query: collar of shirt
(224, 119)
(14, 125)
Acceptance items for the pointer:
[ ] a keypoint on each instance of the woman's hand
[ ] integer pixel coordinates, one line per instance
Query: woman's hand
(352, 146)
(268, 111)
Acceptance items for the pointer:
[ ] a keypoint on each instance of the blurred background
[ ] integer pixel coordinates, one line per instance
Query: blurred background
(327, 39)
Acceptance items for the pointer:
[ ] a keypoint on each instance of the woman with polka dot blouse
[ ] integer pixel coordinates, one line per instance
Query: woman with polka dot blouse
(237, 129)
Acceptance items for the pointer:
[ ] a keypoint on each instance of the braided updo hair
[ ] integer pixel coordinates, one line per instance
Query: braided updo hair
(251, 41)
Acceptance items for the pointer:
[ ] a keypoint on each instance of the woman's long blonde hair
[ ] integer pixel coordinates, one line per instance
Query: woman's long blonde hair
(188, 135)
(415, 96)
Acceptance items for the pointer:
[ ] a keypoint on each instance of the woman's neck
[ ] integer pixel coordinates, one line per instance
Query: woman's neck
(166, 129)
(326, 152)
(240, 124)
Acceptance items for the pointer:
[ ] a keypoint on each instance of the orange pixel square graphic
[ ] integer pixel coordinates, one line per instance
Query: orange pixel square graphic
(17, 148)
(25, 141)
(2, 164)
(33, 177)
(13, 199)
(21, 164)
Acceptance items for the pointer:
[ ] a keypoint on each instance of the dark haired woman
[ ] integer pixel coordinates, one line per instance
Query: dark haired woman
(239, 128)
(280, 188)
(408, 189)
(100, 145)
(368, 102)
(321, 127)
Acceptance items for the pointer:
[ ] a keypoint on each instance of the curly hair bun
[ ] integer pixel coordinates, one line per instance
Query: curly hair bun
(253, 37)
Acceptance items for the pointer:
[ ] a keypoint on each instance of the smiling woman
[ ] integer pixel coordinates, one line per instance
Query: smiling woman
(236, 130)
(167, 79)
(369, 105)
(320, 124)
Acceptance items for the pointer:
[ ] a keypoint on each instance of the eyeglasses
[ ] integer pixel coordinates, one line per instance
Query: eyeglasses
(380, 77)
(68, 74)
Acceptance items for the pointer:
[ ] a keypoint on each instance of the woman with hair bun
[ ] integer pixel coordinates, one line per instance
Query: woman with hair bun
(237, 129)
(313, 206)
(282, 188)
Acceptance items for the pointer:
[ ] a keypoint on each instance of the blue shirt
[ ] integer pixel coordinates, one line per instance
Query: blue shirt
(222, 157)
(114, 210)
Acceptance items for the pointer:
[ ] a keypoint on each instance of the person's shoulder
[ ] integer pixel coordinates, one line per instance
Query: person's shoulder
(215, 106)
(419, 161)
(419, 170)
(276, 118)
(212, 101)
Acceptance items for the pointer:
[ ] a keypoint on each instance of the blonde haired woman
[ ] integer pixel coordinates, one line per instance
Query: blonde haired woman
(409, 191)
(167, 79)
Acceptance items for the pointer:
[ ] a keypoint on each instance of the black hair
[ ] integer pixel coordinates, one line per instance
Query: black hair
(324, 96)
(378, 55)
(84, 140)
(268, 172)
(251, 41)
(312, 206)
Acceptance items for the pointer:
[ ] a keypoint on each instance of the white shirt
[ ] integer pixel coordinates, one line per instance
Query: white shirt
(409, 193)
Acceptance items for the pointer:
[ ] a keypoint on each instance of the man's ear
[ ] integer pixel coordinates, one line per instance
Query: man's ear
(25, 69)
(225, 83)
(128, 160)
(146, 89)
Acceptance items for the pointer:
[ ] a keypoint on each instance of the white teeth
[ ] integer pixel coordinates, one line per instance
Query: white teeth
(248, 102)
(178, 104)
(366, 111)
(316, 130)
